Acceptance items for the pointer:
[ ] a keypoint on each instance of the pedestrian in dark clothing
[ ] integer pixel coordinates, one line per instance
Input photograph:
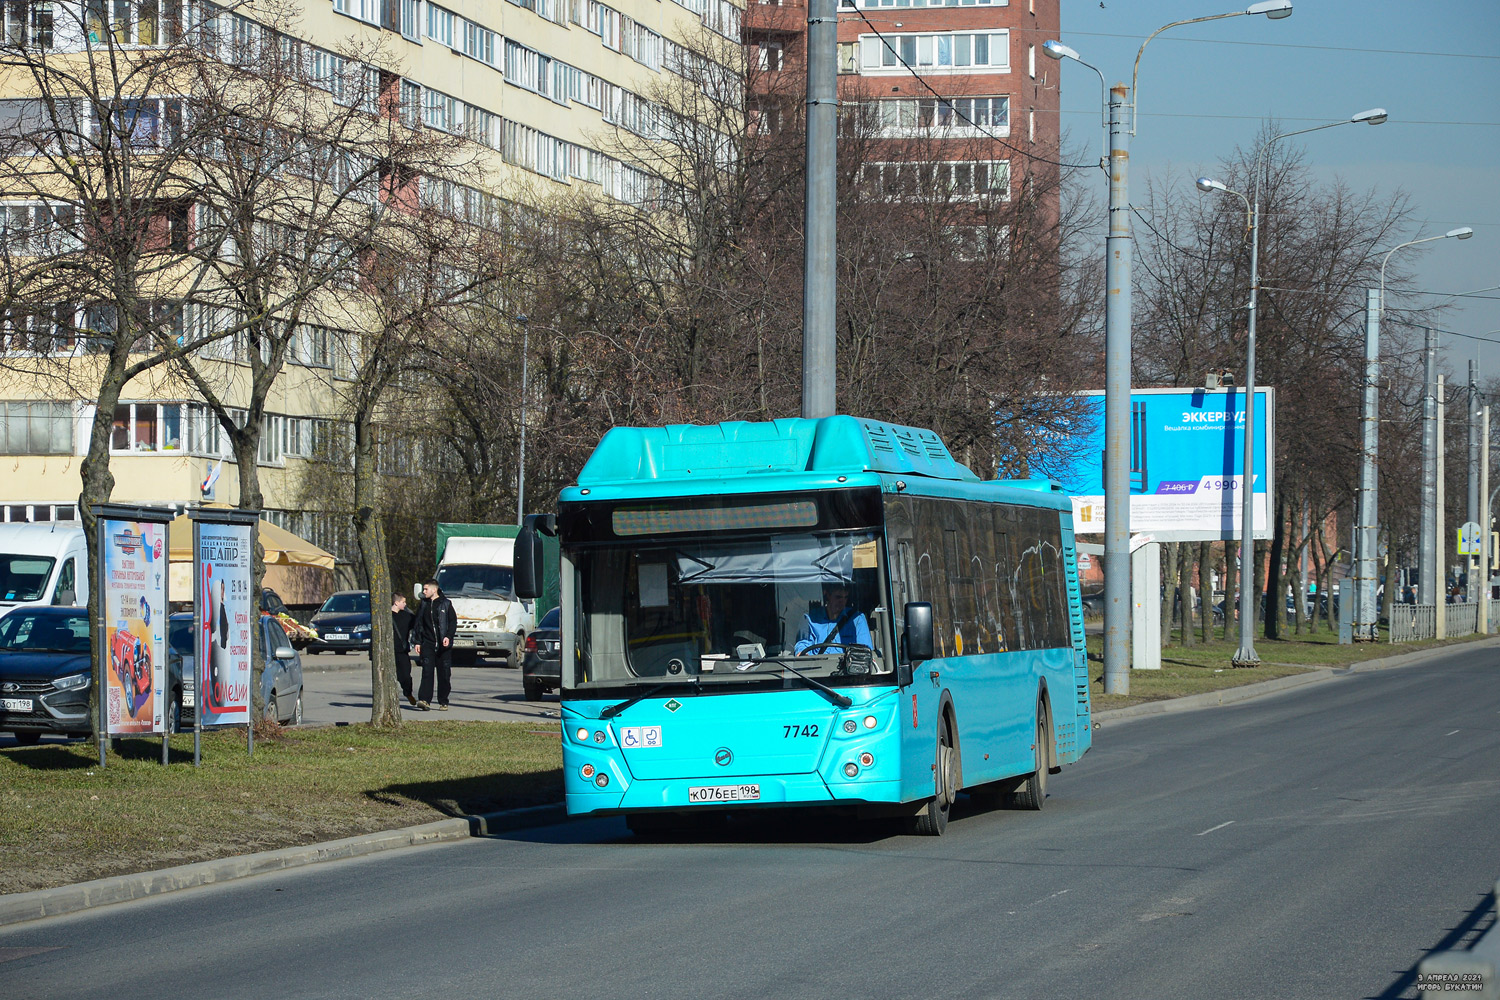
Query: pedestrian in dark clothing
(437, 626)
(402, 618)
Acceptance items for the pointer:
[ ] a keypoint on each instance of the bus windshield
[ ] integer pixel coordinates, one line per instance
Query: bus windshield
(731, 608)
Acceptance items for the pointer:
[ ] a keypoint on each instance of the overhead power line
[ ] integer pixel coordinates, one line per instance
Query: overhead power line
(1293, 45)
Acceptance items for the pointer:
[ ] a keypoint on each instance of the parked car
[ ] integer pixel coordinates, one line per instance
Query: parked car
(280, 683)
(272, 606)
(541, 669)
(44, 672)
(342, 623)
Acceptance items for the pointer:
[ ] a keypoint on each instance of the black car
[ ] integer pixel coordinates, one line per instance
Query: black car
(44, 672)
(541, 669)
(343, 623)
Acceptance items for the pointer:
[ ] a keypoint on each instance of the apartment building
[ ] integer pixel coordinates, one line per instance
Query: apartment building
(537, 91)
(958, 87)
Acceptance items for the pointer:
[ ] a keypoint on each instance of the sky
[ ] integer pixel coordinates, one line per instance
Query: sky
(1207, 88)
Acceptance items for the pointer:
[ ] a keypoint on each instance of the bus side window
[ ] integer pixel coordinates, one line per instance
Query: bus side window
(66, 592)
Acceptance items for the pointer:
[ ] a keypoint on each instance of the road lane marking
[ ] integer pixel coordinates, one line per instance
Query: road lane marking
(1213, 828)
(1454, 731)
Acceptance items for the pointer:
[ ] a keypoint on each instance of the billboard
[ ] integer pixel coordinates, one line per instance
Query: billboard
(221, 561)
(133, 604)
(1186, 464)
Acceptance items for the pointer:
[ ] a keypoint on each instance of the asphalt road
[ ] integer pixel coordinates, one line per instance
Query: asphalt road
(1315, 844)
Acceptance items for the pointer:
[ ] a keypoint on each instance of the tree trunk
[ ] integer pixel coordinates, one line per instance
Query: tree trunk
(1169, 591)
(1231, 584)
(1275, 582)
(369, 530)
(98, 485)
(246, 447)
(1206, 590)
(1185, 593)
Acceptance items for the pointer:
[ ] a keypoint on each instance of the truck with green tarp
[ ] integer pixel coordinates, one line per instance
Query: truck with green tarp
(475, 563)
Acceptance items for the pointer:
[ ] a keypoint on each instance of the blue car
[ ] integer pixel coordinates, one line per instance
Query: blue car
(44, 672)
(343, 623)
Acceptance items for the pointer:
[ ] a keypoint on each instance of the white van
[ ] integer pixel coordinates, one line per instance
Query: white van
(42, 564)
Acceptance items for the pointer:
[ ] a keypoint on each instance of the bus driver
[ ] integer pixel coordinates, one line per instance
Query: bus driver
(835, 622)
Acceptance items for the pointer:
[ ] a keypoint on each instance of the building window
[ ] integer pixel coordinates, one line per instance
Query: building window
(770, 56)
(440, 25)
(38, 229)
(36, 428)
(149, 427)
(957, 179)
(957, 116)
(365, 10)
(28, 23)
(128, 22)
(440, 111)
(848, 57)
(957, 50)
(145, 123)
(411, 19)
(479, 43)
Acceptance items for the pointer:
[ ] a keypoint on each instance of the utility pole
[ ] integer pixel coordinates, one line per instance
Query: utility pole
(819, 275)
(1117, 604)
(1427, 572)
(1471, 590)
(1439, 560)
(1366, 614)
(1484, 521)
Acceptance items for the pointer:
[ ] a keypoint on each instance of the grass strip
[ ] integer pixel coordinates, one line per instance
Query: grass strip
(1207, 666)
(65, 820)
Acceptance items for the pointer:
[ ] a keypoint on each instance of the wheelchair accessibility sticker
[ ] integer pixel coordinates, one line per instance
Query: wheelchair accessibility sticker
(632, 737)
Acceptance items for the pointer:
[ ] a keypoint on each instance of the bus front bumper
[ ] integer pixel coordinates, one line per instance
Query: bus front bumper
(585, 798)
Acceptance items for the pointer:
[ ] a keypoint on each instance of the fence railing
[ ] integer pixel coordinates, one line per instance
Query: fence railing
(1463, 619)
(1410, 622)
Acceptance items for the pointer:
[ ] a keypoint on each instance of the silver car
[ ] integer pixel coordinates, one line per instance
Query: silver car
(280, 684)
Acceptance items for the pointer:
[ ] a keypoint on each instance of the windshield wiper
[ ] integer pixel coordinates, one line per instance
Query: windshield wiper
(614, 710)
(842, 701)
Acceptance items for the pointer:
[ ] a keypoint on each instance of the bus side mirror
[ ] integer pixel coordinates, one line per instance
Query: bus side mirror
(918, 631)
(529, 570)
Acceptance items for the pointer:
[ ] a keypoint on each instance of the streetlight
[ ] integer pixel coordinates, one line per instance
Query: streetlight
(1246, 656)
(524, 320)
(1117, 252)
(1427, 527)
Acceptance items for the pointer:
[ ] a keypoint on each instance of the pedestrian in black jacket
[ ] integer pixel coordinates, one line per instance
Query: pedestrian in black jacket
(437, 626)
(402, 618)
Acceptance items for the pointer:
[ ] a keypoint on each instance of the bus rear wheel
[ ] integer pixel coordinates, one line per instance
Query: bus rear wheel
(933, 819)
(1032, 791)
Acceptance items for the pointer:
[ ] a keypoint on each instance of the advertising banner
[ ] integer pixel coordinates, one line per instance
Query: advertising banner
(221, 560)
(133, 599)
(1186, 464)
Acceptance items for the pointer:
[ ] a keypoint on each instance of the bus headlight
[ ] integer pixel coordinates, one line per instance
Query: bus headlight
(851, 770)
(601, 779)
(588, 770)
(869, 722)
(866, 759)
(582, 734)
(850, 725)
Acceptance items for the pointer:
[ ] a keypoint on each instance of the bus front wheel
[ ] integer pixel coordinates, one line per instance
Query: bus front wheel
(933, 819)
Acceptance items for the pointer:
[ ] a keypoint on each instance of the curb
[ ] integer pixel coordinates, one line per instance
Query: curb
(1245, 692)
(21, 907)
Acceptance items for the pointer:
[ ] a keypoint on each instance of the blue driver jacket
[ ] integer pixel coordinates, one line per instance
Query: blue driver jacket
(817, 628)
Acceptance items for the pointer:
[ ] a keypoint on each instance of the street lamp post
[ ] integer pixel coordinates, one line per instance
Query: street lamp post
(524, 320)
(1246, 656)
(1426, 544)
(1117, 253)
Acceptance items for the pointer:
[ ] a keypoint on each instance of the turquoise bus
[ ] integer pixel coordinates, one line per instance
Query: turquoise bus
(827, 612)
